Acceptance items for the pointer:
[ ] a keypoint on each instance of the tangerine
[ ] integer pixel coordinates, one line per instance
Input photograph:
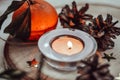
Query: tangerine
(43, 17)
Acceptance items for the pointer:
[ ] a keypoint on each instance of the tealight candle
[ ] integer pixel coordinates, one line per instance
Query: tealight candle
(67, 45)
(64, 48)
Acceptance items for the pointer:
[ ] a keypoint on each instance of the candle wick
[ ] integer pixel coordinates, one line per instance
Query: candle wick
(70, 48)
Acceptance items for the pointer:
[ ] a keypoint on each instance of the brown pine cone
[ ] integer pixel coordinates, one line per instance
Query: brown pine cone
(93, 70)
(74, 18)
(102, 30)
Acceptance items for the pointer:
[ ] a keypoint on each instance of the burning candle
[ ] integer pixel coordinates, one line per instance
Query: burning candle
(63, 48)
(67, 45)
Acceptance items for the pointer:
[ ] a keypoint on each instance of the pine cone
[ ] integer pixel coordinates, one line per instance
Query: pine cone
(74, 18)
(103, 31)
(93, 70)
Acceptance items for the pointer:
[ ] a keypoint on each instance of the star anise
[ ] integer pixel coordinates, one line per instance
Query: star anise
(109, 57)
(74, 18)
(103, 31)
(93, 70)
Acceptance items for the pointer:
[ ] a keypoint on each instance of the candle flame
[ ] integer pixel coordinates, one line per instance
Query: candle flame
(69, 44)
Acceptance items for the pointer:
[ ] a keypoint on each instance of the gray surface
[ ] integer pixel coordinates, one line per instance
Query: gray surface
(112, 8)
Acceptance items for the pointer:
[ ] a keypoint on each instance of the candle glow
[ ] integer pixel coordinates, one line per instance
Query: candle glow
(36, 65)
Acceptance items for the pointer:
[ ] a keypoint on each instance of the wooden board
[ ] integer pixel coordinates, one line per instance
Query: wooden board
(17, 56)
